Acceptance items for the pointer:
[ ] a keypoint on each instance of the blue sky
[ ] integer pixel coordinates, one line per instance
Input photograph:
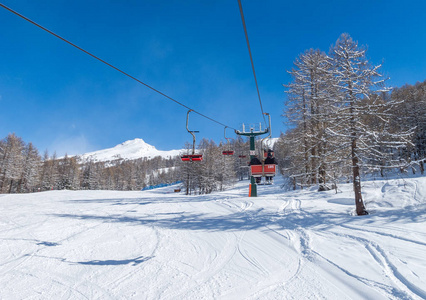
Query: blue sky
(63, 100)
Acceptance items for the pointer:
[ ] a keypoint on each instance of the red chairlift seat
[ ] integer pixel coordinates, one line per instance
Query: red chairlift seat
(263, 170)
(269, 170)
(242, 156)
(256, 170)
(192, 157)
(228, 152)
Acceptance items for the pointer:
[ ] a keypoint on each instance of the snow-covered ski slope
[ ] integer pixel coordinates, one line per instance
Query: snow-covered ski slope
(162, 245)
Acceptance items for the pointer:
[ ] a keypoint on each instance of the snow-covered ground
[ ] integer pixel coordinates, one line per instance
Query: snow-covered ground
(163, 245)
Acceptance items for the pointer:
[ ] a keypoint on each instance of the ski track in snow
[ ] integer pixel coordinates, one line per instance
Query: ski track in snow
(404, 288)
(71, 291)
(155, 245)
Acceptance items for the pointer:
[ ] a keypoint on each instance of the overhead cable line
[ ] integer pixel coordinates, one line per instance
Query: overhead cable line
(110, 65)
(251, 57)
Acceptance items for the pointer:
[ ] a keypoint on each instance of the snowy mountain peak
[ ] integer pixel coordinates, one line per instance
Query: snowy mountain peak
(137, 144)
(132, 149)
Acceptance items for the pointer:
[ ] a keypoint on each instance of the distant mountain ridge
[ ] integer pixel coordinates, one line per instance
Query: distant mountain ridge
(129, 150)
(138, 148)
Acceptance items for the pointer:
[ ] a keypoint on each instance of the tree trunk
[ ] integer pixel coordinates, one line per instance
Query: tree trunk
(359, 203)
(321, 178)
(11, 185)
(313, 178)
(305, 132)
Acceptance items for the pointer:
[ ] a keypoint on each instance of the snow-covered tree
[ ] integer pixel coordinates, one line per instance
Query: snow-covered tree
(187, 172)
(411, 113)
(241, 157)
(69, 172)
(50, 179)
(12, 163)
(307, 109)
(357, 81)
(340, 114)
(30, 171)
(214, 172)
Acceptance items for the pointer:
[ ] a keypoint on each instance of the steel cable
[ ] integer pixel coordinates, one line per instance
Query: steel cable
(251, 57)
(110, 65)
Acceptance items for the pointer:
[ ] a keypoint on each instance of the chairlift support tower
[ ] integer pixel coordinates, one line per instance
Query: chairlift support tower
(253, 134)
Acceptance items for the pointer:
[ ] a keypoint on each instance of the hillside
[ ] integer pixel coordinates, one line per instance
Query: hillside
(163, 245)
(129, 150)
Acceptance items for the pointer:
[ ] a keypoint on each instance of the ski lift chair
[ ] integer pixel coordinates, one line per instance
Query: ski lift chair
(227, 152)
(193, 156)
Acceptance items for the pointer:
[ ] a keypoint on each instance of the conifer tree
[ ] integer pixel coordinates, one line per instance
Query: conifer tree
(12, 163)
(307, 108)
(357, 81)
(31, 168)
(411, 113)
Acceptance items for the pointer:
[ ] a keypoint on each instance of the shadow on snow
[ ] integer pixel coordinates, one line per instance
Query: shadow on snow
(134, 261)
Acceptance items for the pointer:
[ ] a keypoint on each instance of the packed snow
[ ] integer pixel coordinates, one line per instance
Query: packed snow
(129, 150)
(160, 244)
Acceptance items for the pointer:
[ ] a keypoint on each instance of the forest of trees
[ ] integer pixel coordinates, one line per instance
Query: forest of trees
(23, 169)
(216, 171)
(345, 121)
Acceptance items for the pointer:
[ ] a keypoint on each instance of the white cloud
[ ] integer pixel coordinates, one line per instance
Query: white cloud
(71, 145)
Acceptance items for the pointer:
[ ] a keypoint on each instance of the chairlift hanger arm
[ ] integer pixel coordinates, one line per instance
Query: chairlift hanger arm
(224, 134)
(191, 157)
(191, 132)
